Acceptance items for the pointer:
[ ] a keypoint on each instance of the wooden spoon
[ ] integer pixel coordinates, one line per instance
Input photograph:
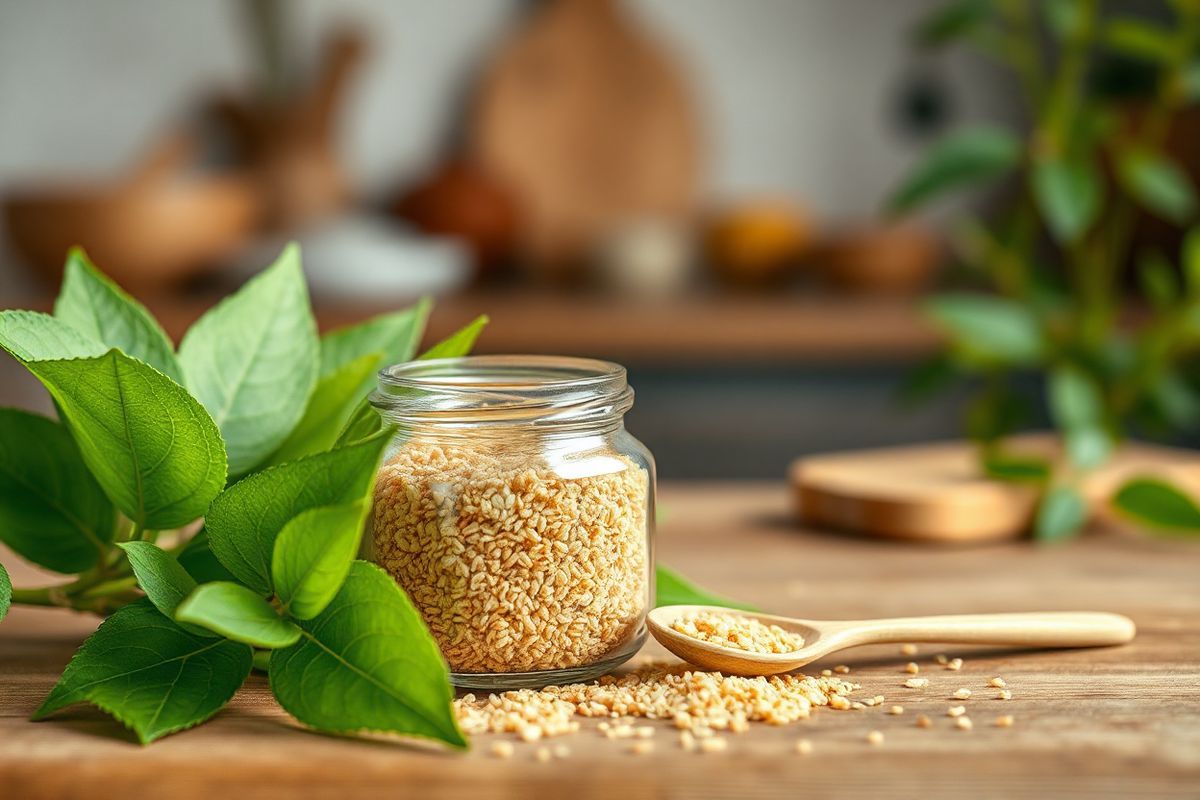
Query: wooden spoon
(822, 637)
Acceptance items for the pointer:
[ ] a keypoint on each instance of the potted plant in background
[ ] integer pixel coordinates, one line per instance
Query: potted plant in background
(1087, 166)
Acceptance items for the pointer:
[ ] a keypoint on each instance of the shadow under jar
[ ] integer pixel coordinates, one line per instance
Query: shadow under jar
(518, 514)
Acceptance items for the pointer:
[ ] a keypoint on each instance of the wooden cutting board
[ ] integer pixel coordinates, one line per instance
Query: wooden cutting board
(938, 493)
(586, 120)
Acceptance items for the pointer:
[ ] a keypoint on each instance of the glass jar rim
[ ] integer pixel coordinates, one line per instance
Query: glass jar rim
(503, 388)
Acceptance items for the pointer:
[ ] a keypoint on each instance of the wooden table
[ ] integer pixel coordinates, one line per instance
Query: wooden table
(1119, 722)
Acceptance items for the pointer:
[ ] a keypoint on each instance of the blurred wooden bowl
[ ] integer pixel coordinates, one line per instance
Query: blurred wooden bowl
(144, 235)
(758, 243)
(881, 258)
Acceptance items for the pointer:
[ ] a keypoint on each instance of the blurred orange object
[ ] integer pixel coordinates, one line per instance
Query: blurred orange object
(462, 201)
(153, 229)
(883, 258)
(759, 242)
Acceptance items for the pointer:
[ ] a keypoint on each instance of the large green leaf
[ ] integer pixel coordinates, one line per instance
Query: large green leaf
(152, 447)
(252, 361)
(460, 342)
(672, 589)
(1159, 506)
(396, 336)
(1068, 193)
(1191, 261)
(149, 673)
(1077, 407)
(1158, 184)
(988, 328)
(329, 407)
(165, 582)
(245, 519)
(237, 613)
(960, 159)
(1061, 514)
(312, 557)
(52, 511)
(201, 563)
(34, 336)
(367, 663)
(1139, 39)
(5, 592)
(95, 306)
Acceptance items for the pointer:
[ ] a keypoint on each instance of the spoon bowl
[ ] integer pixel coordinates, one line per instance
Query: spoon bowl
(822, 637)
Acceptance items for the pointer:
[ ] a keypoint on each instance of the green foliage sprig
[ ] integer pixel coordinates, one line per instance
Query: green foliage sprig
(238, 428)
(1087, 165)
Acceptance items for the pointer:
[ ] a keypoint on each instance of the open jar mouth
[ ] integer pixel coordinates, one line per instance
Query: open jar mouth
(503, 389)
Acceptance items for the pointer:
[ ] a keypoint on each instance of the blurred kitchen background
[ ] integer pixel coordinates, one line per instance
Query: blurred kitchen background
(689, 187)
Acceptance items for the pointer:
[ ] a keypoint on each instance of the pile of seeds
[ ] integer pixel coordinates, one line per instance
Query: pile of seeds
(513, 566)
(734, 630)
(697, 702)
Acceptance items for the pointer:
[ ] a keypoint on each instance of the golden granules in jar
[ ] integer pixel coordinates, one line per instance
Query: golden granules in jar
(737, 631)
(514, 566)
(697, 702)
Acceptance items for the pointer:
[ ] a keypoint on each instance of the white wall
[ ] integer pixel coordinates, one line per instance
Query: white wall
(793, 92)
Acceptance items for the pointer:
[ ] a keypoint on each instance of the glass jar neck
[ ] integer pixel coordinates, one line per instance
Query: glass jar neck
(492, 395)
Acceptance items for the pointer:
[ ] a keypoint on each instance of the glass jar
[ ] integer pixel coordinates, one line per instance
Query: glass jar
(518, 514)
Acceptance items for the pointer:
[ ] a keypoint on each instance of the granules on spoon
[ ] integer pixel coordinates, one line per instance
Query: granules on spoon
(735, 630)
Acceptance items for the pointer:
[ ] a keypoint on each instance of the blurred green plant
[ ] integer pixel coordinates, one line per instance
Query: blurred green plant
(1088, 163)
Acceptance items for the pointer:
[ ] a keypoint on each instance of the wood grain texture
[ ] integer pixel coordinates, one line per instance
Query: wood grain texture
(1112, 722)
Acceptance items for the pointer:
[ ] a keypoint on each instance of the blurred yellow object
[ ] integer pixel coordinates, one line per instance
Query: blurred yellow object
(759, 242)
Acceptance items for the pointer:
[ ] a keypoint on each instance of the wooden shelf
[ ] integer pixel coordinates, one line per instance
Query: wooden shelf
(690, 329)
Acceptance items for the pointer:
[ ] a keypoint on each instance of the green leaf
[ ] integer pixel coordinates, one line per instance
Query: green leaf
(379, 668)
(200, 562)
(1061, 514)
(237, 613)
(1016, 468)
(33, 336)
(149, 673)
(52, 511)
(5, 592)
(313, 554)
(1176, 400)
(329, 408)
(1140, 40)
(1063, 17)
(1191, 81)
(1157, 278)
(165, 582)
(459, 343)
(1158, 184)
(395, 335)
(987, 328)
(1068, 194)
(150, 445)
(363, 423)
(672, 589)
(950, 22)
(927, 379)
(1077, 407)
(960, 159)
(1191, 261)
(95, 306)
(262, 660)
(252, 361)
(245, 519)
(1157, 504)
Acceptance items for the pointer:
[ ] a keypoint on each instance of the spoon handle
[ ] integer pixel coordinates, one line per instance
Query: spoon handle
(1036, 629)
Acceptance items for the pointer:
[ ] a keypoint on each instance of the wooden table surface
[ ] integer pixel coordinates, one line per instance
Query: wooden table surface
(1120, 722)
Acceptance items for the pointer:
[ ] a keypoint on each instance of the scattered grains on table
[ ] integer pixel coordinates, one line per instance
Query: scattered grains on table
(857, 706)
(644, 732)
(908, 649)
(997, 683)
(963, 723)
(875, 737)
(542, 754)
(896, 710)
(923, 721)
(713, 745)
(737, 631)
(954, 664)
(701, 701)
(642, 748)
(561, 751)
(916, 683)
(1004, 694)
(842, 669)
(502, 749)
(956, 711)
(942, 659)
(1005, 721)
(912, 668)
(826, 673)
(962, 694)
(687, 741)
(514, 567)
(804, 747)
